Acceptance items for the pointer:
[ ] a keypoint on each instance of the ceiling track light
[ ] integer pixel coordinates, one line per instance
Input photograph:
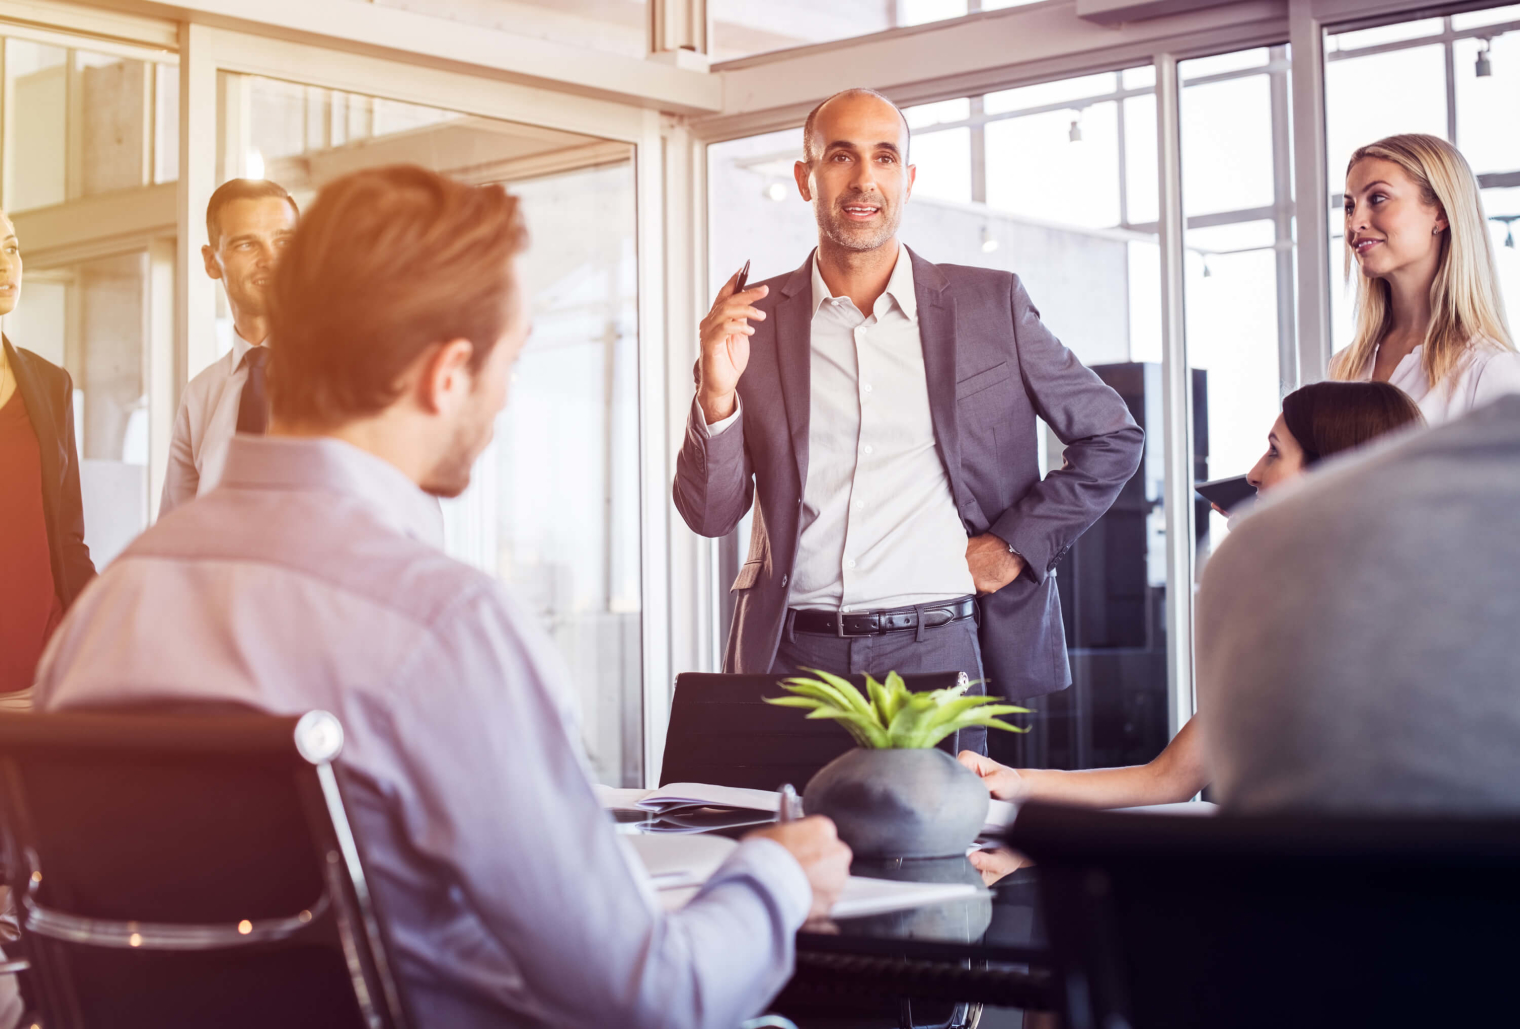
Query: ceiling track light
(1075, 135)
(989, 241)
(1484, 67)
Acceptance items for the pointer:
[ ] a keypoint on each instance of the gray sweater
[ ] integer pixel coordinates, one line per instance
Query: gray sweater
(1359, 634)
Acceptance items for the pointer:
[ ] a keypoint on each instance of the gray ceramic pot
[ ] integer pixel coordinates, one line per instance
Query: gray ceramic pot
(959, 921)
(900, 803)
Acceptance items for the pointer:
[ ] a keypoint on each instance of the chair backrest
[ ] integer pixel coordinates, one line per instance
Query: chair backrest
(1168, 920)
(190, 870)
(722, 732)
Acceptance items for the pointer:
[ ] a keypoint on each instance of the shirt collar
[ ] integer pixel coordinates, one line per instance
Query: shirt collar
(900, 287)
(324, 463)
(240, 348)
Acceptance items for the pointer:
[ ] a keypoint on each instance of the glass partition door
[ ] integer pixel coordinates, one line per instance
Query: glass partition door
(553, 509)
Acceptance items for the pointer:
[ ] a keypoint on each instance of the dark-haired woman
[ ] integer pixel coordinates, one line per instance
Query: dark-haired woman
(1317, 421)
(44, 562)
(1326, 418)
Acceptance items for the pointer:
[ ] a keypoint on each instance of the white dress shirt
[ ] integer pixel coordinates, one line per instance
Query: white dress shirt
(206, 423)
(1489, 372)
(312, 578)
(880, 527)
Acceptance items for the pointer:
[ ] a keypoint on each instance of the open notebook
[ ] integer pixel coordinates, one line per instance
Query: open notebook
(679, 865)
(679, 801)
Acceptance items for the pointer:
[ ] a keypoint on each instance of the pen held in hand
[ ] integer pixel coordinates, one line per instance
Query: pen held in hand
(742, 279)
(791, 804)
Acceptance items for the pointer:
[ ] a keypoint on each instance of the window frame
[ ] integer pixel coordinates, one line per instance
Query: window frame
(670, 108)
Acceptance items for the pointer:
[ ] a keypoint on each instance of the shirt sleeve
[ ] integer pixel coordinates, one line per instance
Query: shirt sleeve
(1499, 377)
(719, 427)
(495, 789)
(181, 479)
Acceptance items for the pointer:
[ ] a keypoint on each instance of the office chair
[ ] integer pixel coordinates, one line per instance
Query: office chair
(722, 732)
(1300, 920)
(190, 870)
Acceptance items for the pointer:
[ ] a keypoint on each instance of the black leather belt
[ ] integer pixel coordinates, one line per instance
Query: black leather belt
(874, 623)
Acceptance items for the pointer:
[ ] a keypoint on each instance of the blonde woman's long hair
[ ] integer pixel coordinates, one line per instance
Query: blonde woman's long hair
(1465, 302)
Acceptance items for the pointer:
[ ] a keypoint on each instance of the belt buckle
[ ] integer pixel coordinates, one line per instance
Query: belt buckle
(839, 629)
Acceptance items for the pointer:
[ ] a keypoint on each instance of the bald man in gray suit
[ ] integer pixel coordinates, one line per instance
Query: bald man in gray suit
(883, 408)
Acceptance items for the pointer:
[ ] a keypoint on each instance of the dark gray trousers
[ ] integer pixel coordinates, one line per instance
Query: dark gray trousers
(952, 647)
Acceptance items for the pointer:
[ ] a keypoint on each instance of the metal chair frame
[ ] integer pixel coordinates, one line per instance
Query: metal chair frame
(316, 739)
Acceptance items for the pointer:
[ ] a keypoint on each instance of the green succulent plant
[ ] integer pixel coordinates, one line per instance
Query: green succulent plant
(894, 717)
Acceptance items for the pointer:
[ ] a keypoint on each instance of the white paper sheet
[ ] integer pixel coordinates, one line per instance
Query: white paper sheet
(679, 865)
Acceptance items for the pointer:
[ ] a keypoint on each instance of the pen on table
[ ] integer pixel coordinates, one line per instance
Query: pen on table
(791, 804)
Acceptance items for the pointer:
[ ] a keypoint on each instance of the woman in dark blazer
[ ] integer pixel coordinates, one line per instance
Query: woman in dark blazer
(44, 562)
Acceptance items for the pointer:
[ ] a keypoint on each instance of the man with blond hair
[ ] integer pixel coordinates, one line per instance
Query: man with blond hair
(314, 578)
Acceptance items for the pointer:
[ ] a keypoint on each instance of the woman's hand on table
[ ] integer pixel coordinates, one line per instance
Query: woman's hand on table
(1002, 782)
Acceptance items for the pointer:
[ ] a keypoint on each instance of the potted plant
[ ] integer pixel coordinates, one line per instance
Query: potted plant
(895, 795)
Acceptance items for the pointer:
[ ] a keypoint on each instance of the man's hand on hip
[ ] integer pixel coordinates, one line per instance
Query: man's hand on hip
(992, 564)
(725, 348)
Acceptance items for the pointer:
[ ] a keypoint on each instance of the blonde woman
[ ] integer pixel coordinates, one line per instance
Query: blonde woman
(1429, 315)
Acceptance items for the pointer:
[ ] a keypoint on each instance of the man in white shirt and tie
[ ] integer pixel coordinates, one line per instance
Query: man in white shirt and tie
(248, 221)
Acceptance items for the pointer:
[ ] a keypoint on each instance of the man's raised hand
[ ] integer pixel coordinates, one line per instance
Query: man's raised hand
(725, 348)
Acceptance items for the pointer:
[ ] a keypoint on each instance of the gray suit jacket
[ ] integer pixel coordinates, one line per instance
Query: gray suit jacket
(992, 367)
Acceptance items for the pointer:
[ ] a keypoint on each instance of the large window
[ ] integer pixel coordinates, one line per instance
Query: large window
(554, 506)
(1456, 77)
(88, 139)
(1057, 183)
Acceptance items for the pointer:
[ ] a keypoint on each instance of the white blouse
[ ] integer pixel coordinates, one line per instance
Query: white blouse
(1489, 372)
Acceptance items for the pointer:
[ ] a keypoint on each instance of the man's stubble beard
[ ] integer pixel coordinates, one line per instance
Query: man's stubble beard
(451, 475)
(846, 237)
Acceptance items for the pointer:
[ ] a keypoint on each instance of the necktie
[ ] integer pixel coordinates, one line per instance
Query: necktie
(253, 405)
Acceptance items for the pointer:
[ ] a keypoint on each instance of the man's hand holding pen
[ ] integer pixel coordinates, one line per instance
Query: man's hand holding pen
(725, 346)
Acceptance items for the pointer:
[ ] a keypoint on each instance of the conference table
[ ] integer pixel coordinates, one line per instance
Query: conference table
(927, 964)
(922, 963)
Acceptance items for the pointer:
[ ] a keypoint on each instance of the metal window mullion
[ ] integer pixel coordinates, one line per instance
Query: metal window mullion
(195, 294)
(1282, 221)
(1449, 54)
(655, 582)
(1311, 190)
(1176, 401)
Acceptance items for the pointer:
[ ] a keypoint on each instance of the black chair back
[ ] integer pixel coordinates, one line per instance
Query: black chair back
(722, 732)
(1176, 920)
(190, 870)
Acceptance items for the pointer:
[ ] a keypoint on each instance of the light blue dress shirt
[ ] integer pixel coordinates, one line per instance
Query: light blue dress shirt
(312, 578)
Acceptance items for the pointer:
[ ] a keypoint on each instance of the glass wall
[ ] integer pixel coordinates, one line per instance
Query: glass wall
(1456, 77)
(554, 507)
(1056, 182)
(1237, 196)
(85, 126)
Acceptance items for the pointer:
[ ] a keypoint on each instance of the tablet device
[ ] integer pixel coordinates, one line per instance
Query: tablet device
(1226, 492)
